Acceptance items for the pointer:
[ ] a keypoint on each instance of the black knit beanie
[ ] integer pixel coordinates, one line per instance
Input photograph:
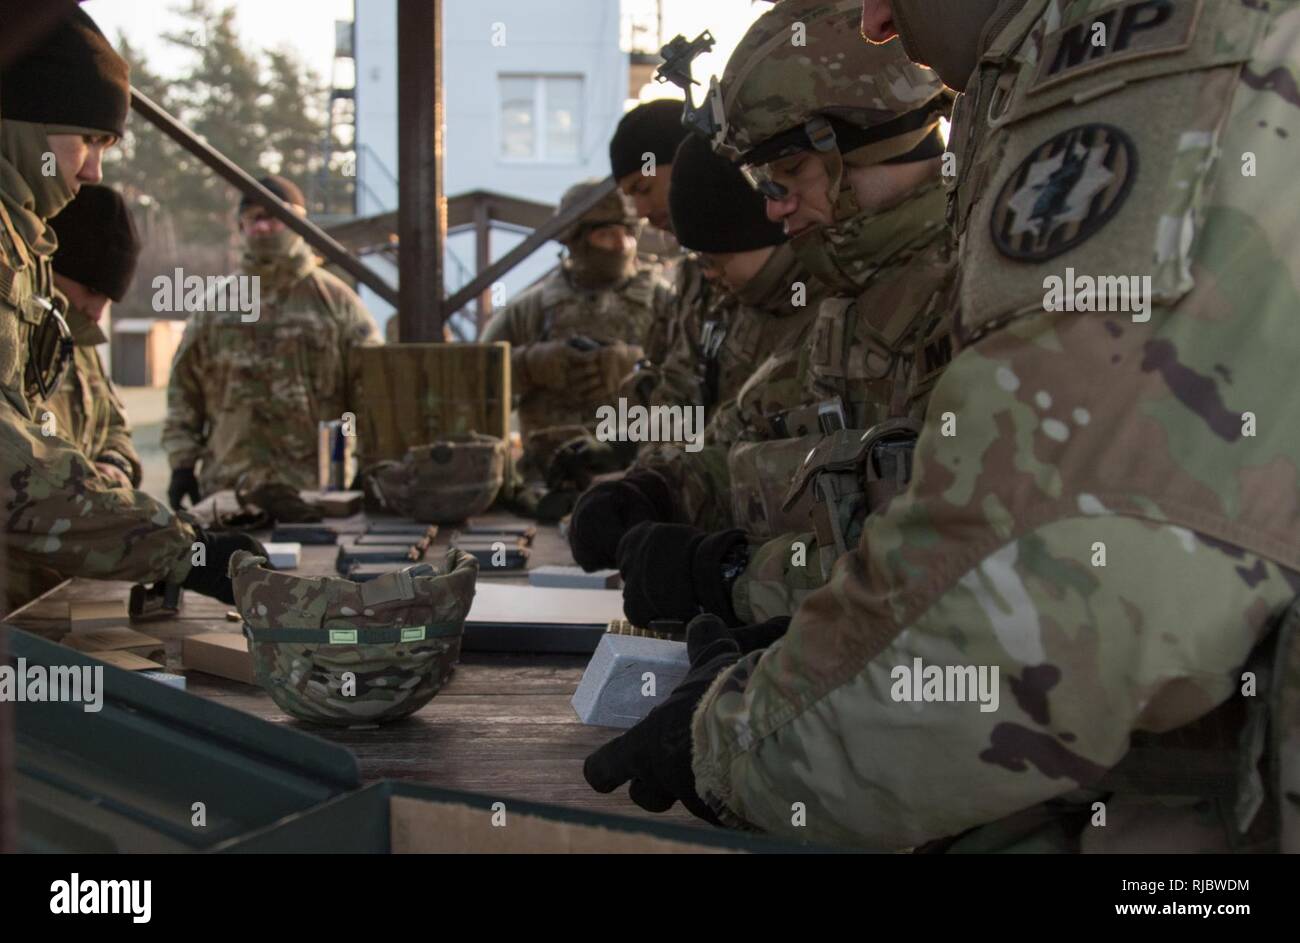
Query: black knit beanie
(652, 128)
(71, 77)
(282, 187)
(714, 209)
(98, 242)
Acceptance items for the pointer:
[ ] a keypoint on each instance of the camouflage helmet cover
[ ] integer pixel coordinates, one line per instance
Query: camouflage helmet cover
(805, 59)
(331, 651)
(444, 481)
(613, 208)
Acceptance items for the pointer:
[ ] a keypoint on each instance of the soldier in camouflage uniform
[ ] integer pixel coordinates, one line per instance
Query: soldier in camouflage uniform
(247, 390)
(641, 153)
(333, 652)
(1115, 518)
(93, 266)
(68, 97)
(852, 169)
(575, 336)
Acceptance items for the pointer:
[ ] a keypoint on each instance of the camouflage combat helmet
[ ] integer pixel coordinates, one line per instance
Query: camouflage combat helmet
(330, 651)
(613, 208)
(802, 78)
(444, 481)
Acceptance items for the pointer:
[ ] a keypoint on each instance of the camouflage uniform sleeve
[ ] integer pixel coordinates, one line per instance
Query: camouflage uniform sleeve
(519, 323)
(820, 718)
(782, 572)
(117, 443)
(988, 564)
(697, 479)
(61, 513)
(679, 364)
(183, 435)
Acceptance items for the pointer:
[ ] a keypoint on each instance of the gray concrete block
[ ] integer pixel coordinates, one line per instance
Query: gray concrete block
(612, 690)
(573, 577)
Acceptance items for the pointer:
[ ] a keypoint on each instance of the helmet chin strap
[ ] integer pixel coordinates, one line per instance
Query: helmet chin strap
(839, 192)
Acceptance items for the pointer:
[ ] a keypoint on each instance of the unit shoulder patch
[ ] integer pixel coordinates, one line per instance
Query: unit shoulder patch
(1064, 192)
(1130, 30)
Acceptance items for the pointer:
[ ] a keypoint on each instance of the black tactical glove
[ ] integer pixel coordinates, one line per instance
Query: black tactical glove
(655, 755)
(213, 578)
(183, 484)
(755, 638)
(675, 572)
(610, 509)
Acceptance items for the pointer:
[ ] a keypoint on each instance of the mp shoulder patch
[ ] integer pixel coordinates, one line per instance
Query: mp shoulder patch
(1064, 192)
(1131, 30)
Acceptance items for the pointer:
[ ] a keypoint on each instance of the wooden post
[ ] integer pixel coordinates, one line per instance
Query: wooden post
(421, 210)
(483, 258)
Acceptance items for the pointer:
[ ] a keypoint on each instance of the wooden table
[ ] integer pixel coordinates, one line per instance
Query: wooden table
(503, 725)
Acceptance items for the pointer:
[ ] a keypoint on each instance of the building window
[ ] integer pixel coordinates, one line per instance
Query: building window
(541, 118)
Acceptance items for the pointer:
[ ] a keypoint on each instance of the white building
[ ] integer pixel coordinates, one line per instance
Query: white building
(532, 89)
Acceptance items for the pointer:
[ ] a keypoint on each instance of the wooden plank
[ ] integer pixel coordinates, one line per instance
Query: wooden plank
(414, 394)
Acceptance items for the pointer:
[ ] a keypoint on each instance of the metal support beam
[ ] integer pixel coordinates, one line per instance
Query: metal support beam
(421, 211)
(484, 279)
(483, 258)
(319, 240)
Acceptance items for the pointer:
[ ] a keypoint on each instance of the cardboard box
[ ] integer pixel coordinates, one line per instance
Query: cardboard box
(85, 616)
(97, 641)
(125, 660)
(394, 817)
(224, 654)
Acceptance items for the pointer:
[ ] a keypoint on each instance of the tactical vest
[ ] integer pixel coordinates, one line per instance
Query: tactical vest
(556, 310)
(872, 364)
(26, 290)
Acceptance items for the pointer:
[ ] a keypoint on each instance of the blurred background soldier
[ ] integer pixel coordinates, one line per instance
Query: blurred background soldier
(577, 334)
(67, 98)
(246, 394)
(93, 267)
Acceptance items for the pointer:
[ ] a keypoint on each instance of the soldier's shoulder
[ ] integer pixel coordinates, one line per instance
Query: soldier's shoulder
(539, 294)
(341, 296)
